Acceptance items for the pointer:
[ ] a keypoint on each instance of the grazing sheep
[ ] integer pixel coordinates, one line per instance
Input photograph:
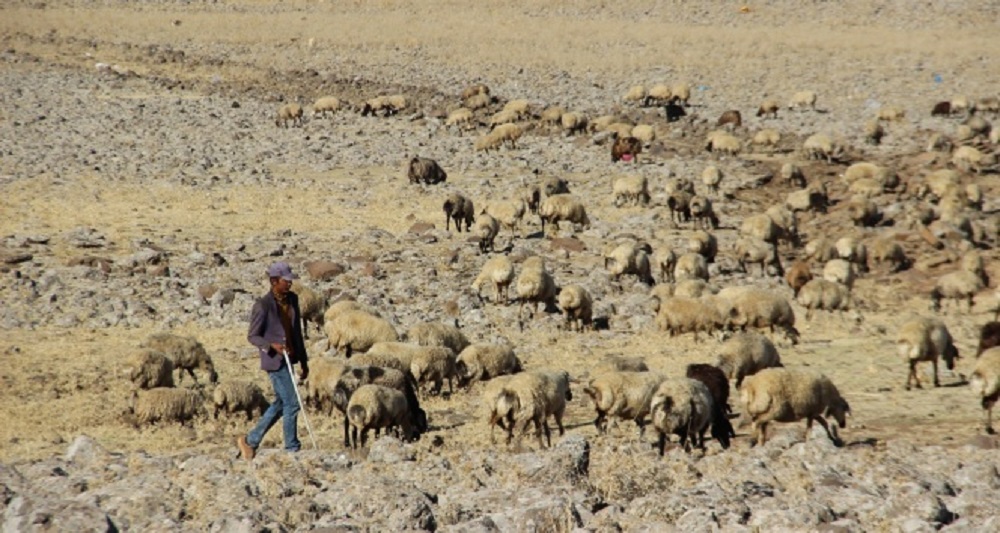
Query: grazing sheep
(326, 105)
(783, 395)
(886, 177)
(718, 384)
(553, 185)
(528, 398)
(839, 271)
(625, 395)
(939, 183)
(691, 266)
(989, 336)
(437, 334)
(500, 272)
(478, 101)
(791, 173)
(336, 309)
(186, 353)
(758, 251)
(573, 122)
(531, 195)
(683, 407)
(552, 116)
(354, 377)
(507, 213)
(501, 135)
(820, 146)
(424, 170)
(356, 331)
(767, 139)
(761, 227)
(658, 94)
(578, 307)
(821, 250)
(289, 113)
(562, 208)
(985, 383)
(745, 354)
(802, 100)
(823, 294)
(149, 369)
(811, 198)
(626, 148)
(798, 275)
(874, 132)
(481, 362)
(680, 92)
(460, 209)
(165, 404)
(679, 203)
(769, 108)
(387, 105)
(535, 285)
(323, 376)
(731, 118)
(461, 117)
(723, 143)
(678, 315)
(233, 396)
(503, 117)
(666, 260)
(377, 407)
(635, 94)
(396, 355)
(702, 212)
(941, 109)
(957, 285)
(786, 223)
(887, 250)
(632, 189)
(853, 250)
(486, 228)
(645, 133)
(711, 177)
(659, 294)
(312, 306)
(925, 339)
(758, 308)
(704, 244)
(971, 159)
(473, 90)
(521, 107)
(628, 258)
(863, 212)
(434, 364)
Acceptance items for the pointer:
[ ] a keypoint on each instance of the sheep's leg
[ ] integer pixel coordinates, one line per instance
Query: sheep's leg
(988, 419)
(809, 425)
(662, 442)
(935, 363)
(548, 433)
(347, 431)
(600, 422)
(559, 424)
(829, 431)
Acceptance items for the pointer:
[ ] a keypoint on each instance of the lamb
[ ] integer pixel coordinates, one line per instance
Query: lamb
(376, 407)
(460, 209)
(745, 354)
(354, 377)
(711, 177)
(578, 307)
(323, 376)
(666, 260)
(679, 203)
(437, 334)
(791, 173)
(626, 395)
(886, 250)
(289, 113)
(798, 276)
(989, 336)
(356, 331)
(783, 395)
(691, 266)
(763, 309)
(629, 258)
(535, 285)
(562, 208)
(500, 272)
(723, 143)
(679, 315)
(424, 170)
(704, 215)
(820, 146)
(233, 396)
(626, 148)
(486, 228)
(769, 108)
(758, 251)
(803, 99)
(925, 339)
(731, 118)
(839, 271)
(186, 353)
(873, 132)
(683, 407)
(482, 362)
(632, 189)
(326, 105)
(767, 138)
(508, 213)
(312, 306)
(165, 404)
(957, 285)
(704, 244)
(985, 383)
(149, 369)
(823, 294)
(434, 364)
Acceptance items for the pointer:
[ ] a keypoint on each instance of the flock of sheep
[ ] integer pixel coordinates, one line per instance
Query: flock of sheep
(379, 382)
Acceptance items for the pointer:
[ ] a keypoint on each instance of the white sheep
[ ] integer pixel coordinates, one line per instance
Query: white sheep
(500, 272)
(704, 244)
(632, 189)
(678, 315)
(186, 353)
(356, 331)
(925, 339)
(840, 271)
(521, 107)
(853, 250)
(520, 400)
(957, 285)
(338, 308)
(887, 250)
(886, 177)
(750, 250)
(552, 116)
(645, 133)
(680, 92)
(985, 383)
(165, 404)
(326, 105)
(486, 229)
(759, 308)
(625, 395)
(460, 209)
(783, 395)
(823, 294)
(578, 307)
(821, 146)
(635, 94)
(768, 109)
(691, 266)
(767, 139)
(746, 353)
(501, 135)
(658, 94)
(149, 369)
(289, 113)
(378, 407)
(535, 285)
(354, 377)
(437, 334)
(802, 100)
(481, 362)
(711, 177)
(573, 122)
(233, 396)
(792, 173)
(724, 143)
(682, 407)
(703, 213)
(562, 208)
(460, 118)
(761, 227)
(972, 159)
(507, 213)
(628, 258)
(434, 364)
(503, 117)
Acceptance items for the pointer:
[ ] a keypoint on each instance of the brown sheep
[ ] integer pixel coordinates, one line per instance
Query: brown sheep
(731, 116)
(626, 148)
(989, 336)
(424, 170)
(798, 276)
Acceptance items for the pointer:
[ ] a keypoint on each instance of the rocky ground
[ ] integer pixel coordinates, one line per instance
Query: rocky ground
(151, 194)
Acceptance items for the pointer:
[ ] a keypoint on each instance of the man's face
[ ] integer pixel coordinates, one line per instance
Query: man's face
(281, 285)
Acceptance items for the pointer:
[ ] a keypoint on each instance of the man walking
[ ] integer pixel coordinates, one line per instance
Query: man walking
(276, 327)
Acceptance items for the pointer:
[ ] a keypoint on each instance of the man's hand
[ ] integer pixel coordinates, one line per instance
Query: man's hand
(277, 347)
(303, 372)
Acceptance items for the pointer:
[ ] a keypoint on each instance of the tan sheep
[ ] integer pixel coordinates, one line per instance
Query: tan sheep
(337, 308)
(578, 307)
(704, 244)
(326, 105)
(873, 132)
(759, 308)
(434, 364)
(378, 407)
(354, 377)
(887, 250)
(746, 353)
(985, 383)
(723, 143)
(234, 396)
(500, 272)
(711, 177)
(289, 113)
(475, 89)
(803, 100)
(486, 229)
(680, 93)
(679, 315)
(149, 369)
(356, 331)
(925, 339)
(312, 306)
(165, 404)
(461, 118)
(703, 213)
(767, 139)
(625, 395)
(750, 250)
(534, 285)
(783, 395)
(481, 362)
(323, 376)
(645, 133)
(823, 294)
(186, 353)
(573, 122)
(971, 159)
(503, 117)
(562, 208)
(682, 407)
(628, 258)
(508, 213)
(658, 94)
(665, 260)
(958, 285)
(840, 271)
(635, 94)
(527, 398)
(768, 109)
(820, 146)
(437, 334)
(504, 134)
(521, 107)
(792, 173)
(691, 266)
(631, 189)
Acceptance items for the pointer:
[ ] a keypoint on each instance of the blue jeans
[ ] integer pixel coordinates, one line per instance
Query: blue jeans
(285, 405)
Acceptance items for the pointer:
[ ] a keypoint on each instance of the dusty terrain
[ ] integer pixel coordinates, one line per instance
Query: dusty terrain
(105, 179)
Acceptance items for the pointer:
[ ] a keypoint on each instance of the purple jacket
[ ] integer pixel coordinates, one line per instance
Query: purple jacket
(266, 328)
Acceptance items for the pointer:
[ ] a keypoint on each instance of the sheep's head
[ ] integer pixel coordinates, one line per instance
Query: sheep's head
(838, 409)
